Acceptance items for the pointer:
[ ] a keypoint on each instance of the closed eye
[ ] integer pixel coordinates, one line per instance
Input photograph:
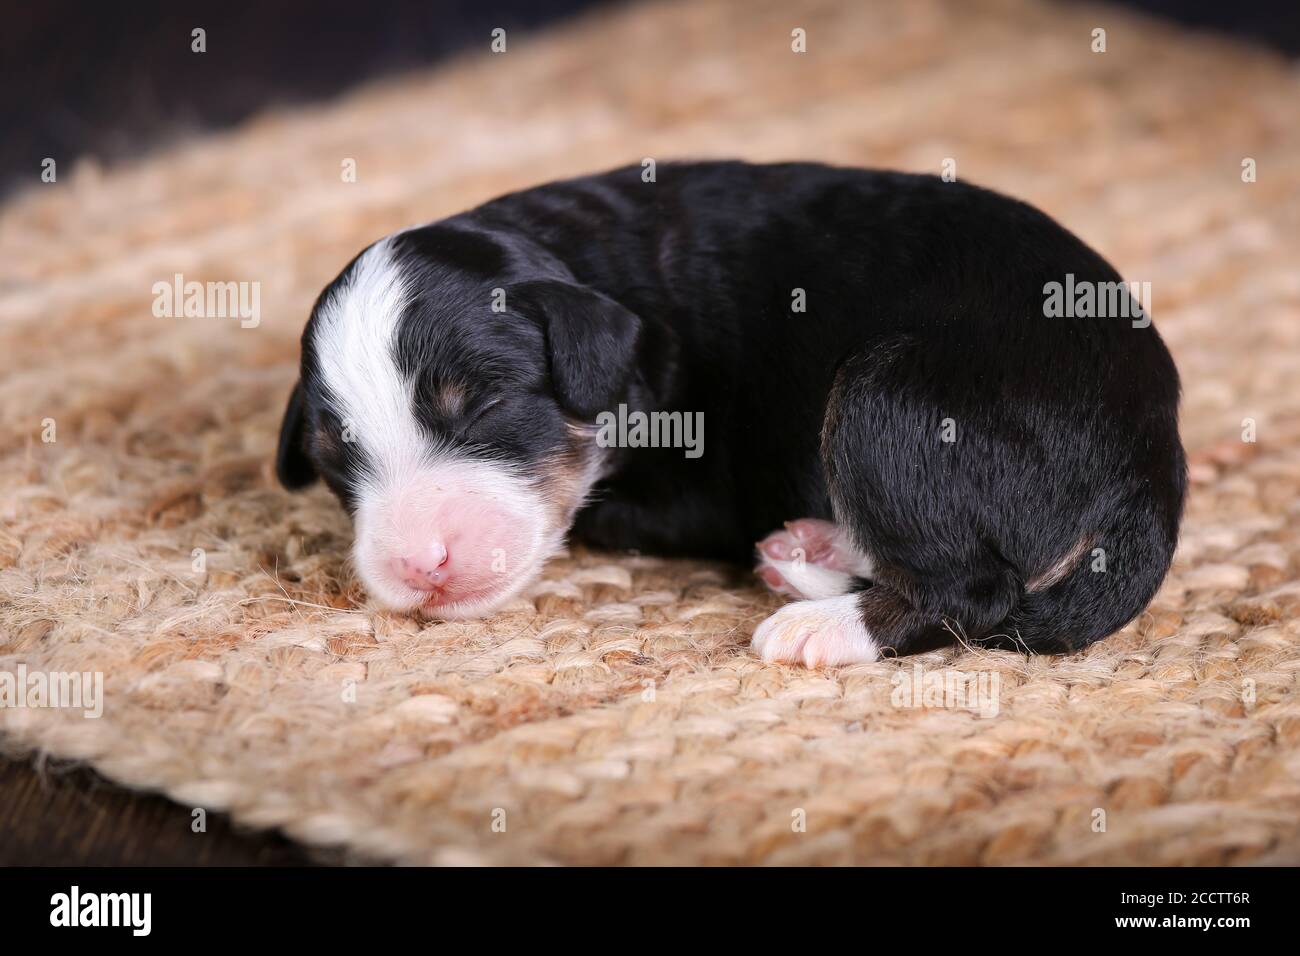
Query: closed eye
(480, 413)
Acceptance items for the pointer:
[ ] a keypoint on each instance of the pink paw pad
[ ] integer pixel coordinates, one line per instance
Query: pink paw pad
(809, 539)
(808, 558)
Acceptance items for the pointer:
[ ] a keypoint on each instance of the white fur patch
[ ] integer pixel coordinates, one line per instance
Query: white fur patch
(816, 634)
(811, 581)
(355, 341)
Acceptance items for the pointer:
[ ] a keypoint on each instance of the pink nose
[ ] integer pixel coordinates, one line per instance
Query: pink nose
(425, 570)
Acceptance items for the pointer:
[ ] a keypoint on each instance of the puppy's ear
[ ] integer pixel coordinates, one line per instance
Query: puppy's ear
(591, 341)
(292, 466)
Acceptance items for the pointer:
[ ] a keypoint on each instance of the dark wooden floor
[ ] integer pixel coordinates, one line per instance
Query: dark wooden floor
(55, 814)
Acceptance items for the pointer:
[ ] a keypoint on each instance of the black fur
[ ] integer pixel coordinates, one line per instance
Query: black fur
(924, 304)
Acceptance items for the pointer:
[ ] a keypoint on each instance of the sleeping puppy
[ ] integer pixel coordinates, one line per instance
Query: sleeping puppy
(924, 448)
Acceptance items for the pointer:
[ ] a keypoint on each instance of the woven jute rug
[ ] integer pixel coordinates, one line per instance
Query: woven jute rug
(616, 714)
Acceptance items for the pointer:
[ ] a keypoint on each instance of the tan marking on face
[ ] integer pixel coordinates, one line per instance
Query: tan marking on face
(566, 479)
(325, 442)
(450, 400)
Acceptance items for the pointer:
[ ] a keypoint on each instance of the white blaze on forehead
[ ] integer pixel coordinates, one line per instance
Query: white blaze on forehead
(356, 346)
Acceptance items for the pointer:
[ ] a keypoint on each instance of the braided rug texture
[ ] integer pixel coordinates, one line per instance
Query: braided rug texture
(616, 715)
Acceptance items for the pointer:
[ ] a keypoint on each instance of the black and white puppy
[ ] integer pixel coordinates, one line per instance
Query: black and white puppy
(926, 453)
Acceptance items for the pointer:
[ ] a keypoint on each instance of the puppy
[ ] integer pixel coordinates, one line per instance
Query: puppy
(928, 451)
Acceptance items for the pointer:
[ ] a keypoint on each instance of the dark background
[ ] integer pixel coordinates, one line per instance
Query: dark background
(112, 78)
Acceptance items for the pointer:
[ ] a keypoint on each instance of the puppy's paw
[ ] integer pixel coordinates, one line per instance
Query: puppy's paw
(808, 539)
(816, 634)
(809, 558)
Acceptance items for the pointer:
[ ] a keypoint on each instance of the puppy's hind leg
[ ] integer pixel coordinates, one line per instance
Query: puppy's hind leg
(811, 558)
(898, 489)
(815, 560)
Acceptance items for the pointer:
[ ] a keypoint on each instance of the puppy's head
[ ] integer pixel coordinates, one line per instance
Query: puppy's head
(447, 390)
